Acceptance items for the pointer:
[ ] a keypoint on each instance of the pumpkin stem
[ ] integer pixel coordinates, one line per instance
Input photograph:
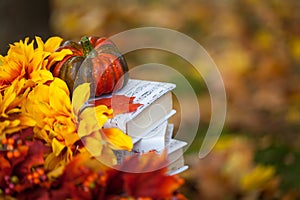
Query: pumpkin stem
(87, 47)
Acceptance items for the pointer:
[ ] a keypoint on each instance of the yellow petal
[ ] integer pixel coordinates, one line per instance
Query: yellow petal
(53, 162)
(107, 156)
(62, 85)
(13, 110)
(57, 147)
(80, 95)
(102, 113)
(117, 140)
(57, 172)
(58, 56)
(88, 122)
(27, 120)
(93, 145)
(52, 43)
(92, 119)
(71, 138)
(41, 76)
(39, 94)
(40, 43)
(59, 97)
(8, 99)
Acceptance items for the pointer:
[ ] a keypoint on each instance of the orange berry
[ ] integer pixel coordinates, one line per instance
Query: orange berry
(90, 178)
(103, 178)
(40, 171)
(35, 175)
(4, 141)
(10, 154)
(17, 154)
(10, 141)
(36, 180)
(29, 177)
(86, 183)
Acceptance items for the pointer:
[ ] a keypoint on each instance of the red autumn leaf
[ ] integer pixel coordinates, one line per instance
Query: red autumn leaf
(34, 156)
(37, 194)
(114, 183)
(119, 103)
(156, 184)
(72, 169)
(73, 183)
(26, 134)
(74, 174)
(152, 180)
(5, 169)
(144, 163)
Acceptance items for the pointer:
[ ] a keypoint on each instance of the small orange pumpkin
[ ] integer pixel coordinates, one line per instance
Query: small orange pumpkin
(94, 60)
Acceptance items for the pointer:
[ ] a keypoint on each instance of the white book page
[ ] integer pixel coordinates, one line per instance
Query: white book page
(151, 144)
(154, 140)
(146, 132)
(169, 134)
(145, 92)
(175, 145)
(179, 170)
(159, 131)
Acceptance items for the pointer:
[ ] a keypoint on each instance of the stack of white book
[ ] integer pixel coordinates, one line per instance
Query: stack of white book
(149, 125)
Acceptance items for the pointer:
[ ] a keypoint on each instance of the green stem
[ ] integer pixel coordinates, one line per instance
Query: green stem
(87, 47)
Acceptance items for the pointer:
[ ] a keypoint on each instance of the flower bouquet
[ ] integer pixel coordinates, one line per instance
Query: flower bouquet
(46, 127)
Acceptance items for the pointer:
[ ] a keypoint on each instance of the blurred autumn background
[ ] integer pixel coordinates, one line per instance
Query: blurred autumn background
(256, 46)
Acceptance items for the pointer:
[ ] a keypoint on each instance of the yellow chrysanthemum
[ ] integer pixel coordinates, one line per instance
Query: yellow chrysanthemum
(12, 119)
(22, 59)
(20, 70)
(49, 104)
